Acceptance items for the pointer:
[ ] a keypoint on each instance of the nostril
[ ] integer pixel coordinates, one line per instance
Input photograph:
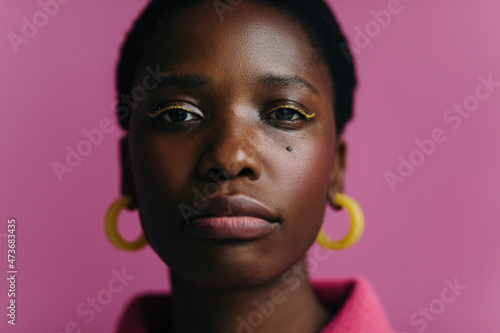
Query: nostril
(218, 175)
(246, 172)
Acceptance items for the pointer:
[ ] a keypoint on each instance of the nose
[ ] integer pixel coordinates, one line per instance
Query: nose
(230, 149)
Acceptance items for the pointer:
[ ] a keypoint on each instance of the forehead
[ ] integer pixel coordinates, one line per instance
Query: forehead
(249, 41)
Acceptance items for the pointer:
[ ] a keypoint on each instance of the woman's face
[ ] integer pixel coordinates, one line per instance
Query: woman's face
(217, 140)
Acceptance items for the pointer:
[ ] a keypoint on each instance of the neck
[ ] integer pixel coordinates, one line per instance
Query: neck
(286, 304)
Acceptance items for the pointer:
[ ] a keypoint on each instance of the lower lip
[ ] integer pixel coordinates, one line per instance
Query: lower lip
(230, 227)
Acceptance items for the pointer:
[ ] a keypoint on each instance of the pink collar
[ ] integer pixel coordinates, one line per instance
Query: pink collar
(358, 304)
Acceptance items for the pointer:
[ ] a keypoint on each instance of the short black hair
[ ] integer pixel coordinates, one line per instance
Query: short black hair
(315, 17)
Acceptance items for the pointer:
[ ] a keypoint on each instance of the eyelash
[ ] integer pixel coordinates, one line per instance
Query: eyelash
(302, 112)
(163, 111)
(291, 107)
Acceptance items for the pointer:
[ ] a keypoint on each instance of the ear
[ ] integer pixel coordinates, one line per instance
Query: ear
(128, 183)
(336, 183)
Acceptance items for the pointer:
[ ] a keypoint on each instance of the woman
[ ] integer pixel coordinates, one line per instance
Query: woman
(232, 152)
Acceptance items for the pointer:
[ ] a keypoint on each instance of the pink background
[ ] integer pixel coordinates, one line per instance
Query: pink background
(440, 224)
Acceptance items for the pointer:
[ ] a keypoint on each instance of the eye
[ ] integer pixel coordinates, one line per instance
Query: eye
(286, 112)
(177, 112)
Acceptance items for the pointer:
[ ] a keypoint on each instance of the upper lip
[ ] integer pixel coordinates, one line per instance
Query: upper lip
(234, 205)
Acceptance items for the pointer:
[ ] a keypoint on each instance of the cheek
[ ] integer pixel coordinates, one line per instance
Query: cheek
(160, 166)
(306, 183)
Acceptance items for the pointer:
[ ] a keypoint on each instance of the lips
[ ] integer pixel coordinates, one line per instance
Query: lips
(232, 217)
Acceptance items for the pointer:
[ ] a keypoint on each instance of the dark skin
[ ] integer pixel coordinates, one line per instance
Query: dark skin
(244, 66)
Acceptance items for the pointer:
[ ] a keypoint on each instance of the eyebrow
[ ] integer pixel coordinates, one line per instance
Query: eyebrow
(271, 81)
(278, 81)
(186, 81)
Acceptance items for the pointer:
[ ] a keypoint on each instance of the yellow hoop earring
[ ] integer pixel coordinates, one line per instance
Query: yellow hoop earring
(110, 225)
(357, 225)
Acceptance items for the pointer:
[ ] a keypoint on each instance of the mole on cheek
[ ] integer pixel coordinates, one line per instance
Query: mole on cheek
(289, 148)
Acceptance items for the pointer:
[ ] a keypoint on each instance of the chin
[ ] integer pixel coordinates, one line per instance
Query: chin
(229, 273)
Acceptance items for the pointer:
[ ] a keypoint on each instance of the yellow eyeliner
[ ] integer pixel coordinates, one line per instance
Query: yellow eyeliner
(178, 107)
(160, 110)
(302, 112)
